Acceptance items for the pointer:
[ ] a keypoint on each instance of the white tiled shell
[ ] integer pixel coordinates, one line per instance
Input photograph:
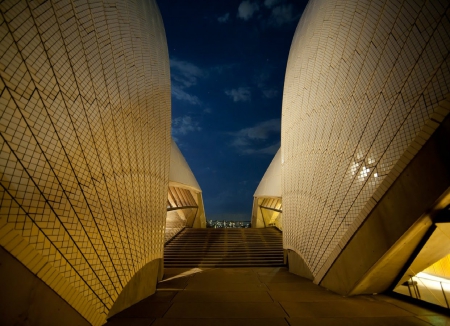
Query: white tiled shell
(180, 172)
(85, 143)
(362, 87)
(270, 184)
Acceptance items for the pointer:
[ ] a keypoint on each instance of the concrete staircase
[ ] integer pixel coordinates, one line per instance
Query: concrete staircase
(225, 248)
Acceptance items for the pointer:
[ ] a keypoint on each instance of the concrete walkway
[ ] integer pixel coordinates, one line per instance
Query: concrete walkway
(263, 296)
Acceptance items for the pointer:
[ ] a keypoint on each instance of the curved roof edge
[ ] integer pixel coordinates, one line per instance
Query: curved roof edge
(180, 172)
(270, 185)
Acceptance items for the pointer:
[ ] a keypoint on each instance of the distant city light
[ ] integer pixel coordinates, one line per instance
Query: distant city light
(228, 224)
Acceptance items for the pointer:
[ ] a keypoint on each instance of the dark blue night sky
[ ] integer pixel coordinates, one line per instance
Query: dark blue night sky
(228, 60)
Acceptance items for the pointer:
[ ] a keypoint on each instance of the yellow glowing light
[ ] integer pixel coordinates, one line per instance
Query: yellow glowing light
(354, 168)
(430, 277)
(432, 282)
(364, 172)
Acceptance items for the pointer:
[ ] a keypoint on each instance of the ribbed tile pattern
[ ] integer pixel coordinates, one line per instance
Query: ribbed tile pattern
(363, 88)
(225, 248)
(85, 143)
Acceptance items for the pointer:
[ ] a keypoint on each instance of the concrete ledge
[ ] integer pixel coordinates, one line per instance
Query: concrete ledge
(378, 250)
(141, 286)
(297, 265)
(27, 300)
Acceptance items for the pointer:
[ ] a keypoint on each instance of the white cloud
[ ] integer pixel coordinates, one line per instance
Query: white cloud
(270, 93)
(224, 18)
(185, 73)
(241, 94)
(283, 14)
(261, 130)
(222, 68)
(182, 95)
(247, 9)
(270, 3)
(270, 150)
(261, 78)
(207, 110)
(183, 125)
(253, 140)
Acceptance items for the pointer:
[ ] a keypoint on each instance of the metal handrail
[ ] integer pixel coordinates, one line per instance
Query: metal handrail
(413, 283)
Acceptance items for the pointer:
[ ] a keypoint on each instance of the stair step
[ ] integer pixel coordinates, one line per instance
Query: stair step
(224, 265)
(211, 248)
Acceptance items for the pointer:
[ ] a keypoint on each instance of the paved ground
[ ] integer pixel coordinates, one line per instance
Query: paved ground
(263, 296)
